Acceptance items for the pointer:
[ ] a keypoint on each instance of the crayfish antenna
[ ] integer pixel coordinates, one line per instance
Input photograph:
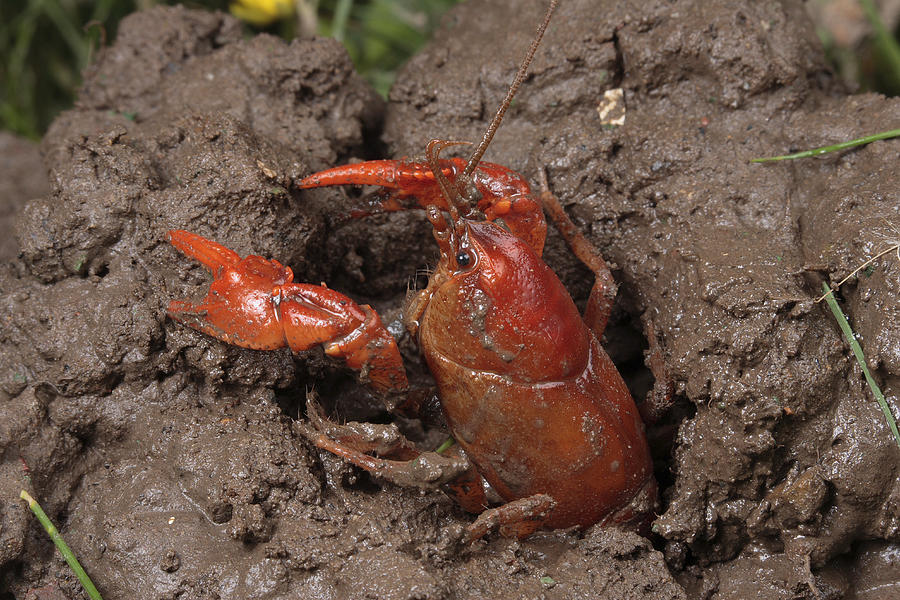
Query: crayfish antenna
(461, 194)
(517, 81)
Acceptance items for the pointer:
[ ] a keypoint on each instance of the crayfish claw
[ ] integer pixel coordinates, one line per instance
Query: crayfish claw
(210, 254)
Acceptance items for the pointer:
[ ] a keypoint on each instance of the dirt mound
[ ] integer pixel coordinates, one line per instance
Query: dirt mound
(169, 460)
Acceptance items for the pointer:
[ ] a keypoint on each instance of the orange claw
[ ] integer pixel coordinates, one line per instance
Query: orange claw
(254, 303)
(504, 193)
(400, 178)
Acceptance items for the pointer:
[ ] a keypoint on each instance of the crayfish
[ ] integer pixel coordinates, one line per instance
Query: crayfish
(537, 408)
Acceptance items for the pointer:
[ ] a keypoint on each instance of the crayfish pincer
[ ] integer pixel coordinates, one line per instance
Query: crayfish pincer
(536, 405)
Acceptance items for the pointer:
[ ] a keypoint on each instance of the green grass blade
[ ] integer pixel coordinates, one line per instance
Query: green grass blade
(62, 546)
(68, 30)
(860, 358)
(341, 14)
(884, 135)
(883, 38)
(447, 443)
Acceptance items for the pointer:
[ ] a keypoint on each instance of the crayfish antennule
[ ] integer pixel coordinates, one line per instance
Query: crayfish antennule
(451, 192)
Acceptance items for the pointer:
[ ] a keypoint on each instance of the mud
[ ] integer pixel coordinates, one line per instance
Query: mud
(169, 460)
(22, 178)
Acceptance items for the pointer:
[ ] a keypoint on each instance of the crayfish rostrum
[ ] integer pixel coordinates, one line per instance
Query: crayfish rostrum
(534, 402)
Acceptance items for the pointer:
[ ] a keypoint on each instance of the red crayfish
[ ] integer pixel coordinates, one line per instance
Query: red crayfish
(535, 404)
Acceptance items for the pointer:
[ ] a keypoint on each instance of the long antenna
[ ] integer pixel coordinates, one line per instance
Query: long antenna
(520, 76)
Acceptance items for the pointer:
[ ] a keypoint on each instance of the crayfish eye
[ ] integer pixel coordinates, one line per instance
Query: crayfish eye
(464, 258)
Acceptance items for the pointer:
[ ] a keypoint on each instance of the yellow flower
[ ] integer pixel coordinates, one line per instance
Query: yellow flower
(262, 12)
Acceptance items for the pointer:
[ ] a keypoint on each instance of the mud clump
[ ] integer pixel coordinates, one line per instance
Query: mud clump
(168, 459)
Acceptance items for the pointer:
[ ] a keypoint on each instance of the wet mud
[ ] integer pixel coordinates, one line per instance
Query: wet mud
(21, 179)
(171, 462)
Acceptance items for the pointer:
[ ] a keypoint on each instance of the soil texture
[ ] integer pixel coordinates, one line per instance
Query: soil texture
(171, 462)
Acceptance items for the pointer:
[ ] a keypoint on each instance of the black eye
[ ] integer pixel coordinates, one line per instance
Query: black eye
(464, 258)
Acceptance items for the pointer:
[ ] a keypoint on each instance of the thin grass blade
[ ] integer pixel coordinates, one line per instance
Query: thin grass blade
(61, 545)
(861, 359)
(884, 135)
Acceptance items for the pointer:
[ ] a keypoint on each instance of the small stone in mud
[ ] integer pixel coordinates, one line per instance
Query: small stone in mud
(171, 562)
